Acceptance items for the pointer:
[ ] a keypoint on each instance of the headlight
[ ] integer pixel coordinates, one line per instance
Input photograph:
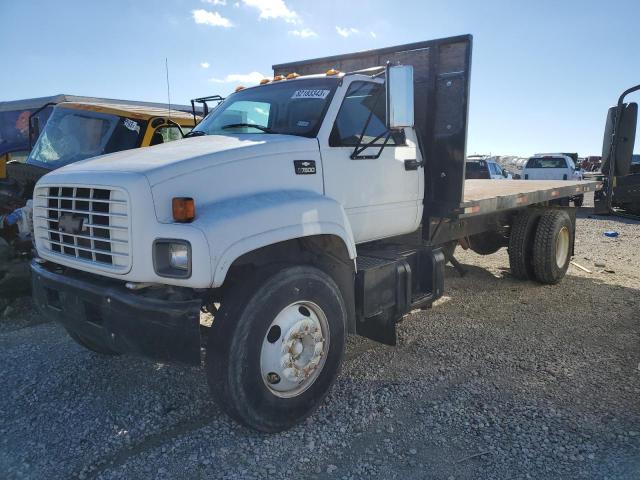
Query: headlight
(172, 258)
(179, 256)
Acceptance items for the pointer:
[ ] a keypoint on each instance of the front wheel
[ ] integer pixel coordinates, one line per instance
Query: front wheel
(276, 346)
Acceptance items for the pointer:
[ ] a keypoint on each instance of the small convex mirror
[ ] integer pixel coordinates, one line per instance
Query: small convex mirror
(399, 89)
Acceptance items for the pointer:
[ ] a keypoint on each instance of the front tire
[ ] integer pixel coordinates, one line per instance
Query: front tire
(276, 347)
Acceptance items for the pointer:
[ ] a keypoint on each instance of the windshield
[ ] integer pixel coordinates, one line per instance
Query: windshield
(72, 135)
(546, 162)
(294, 107)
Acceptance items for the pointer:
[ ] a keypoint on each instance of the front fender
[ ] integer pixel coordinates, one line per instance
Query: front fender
(239, 225)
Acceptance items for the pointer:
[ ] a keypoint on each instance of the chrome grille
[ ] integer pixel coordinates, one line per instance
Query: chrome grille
(84, 224)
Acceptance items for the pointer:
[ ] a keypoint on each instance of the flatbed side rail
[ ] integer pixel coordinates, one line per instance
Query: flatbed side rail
(491, 196)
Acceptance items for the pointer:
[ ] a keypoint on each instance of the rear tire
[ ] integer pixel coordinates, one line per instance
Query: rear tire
(264, 365)
(90, 345)
(552, 246)
(521, 245)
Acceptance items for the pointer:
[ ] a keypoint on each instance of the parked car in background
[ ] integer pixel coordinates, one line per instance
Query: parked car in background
(483, 169)
(553, 166)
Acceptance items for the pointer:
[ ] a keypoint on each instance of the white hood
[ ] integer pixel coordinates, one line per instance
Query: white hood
(173, 159)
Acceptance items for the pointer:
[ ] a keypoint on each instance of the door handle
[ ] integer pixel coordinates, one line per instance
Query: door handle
(412, 164)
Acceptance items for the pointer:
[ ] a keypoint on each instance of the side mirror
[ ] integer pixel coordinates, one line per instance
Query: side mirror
(625, 134)
(399, 90)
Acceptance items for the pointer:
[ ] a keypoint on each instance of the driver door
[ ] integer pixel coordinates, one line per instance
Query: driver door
(382, 196)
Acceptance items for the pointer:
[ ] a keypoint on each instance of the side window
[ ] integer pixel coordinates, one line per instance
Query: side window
(127, 134)
(364, 101)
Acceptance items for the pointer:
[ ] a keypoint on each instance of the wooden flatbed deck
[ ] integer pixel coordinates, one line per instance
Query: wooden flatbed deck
(488, 196)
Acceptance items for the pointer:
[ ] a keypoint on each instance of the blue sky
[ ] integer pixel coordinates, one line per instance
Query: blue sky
(544, 72)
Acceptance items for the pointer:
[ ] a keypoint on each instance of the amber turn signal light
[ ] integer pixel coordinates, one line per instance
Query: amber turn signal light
(184, 209)
(292, 76)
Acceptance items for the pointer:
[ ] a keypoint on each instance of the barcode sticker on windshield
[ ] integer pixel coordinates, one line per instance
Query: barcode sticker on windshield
(132, 125)
(310, 94)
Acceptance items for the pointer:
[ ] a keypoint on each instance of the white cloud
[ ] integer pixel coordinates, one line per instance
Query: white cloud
(204, 64)
(346, 31)
(215, 2)
(273, 9)
(303, 33)
(210, 18)
(243, 78)
(374, 34)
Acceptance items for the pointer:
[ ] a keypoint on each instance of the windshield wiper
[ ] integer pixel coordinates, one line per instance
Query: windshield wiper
(250, 125)
(194, 133)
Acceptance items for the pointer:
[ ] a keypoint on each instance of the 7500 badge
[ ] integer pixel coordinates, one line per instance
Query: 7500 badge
(305, 167)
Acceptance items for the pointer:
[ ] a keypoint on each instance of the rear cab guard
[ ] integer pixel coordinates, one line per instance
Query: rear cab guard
(115, 318)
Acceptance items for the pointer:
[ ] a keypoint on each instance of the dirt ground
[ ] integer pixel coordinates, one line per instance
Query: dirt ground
(501, 379)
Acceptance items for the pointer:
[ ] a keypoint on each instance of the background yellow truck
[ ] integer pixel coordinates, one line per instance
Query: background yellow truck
(74, 131)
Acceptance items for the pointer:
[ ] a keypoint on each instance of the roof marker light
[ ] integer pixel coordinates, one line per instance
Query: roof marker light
(277, 78)
(264, 81)
(333, 71)
(239, 87)
(292, 75)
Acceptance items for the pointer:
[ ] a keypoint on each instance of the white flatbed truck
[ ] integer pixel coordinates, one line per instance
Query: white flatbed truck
(315, 205)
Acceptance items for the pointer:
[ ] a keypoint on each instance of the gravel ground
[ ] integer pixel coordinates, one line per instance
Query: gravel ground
(501, 379)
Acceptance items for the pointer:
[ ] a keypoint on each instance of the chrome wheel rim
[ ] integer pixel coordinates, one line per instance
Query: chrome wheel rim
(294, 349)
(562, 247)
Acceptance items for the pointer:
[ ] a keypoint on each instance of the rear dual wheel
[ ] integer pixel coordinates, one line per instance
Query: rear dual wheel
(540, 245)
(552, 246)
(276, 346)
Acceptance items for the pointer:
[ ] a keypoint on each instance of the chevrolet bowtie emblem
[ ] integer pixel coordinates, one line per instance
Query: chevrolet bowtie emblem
(67, 223)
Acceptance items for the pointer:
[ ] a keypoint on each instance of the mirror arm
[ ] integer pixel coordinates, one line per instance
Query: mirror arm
(359, 148)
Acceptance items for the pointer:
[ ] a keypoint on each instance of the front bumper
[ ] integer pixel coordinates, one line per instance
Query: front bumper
(109, 315)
